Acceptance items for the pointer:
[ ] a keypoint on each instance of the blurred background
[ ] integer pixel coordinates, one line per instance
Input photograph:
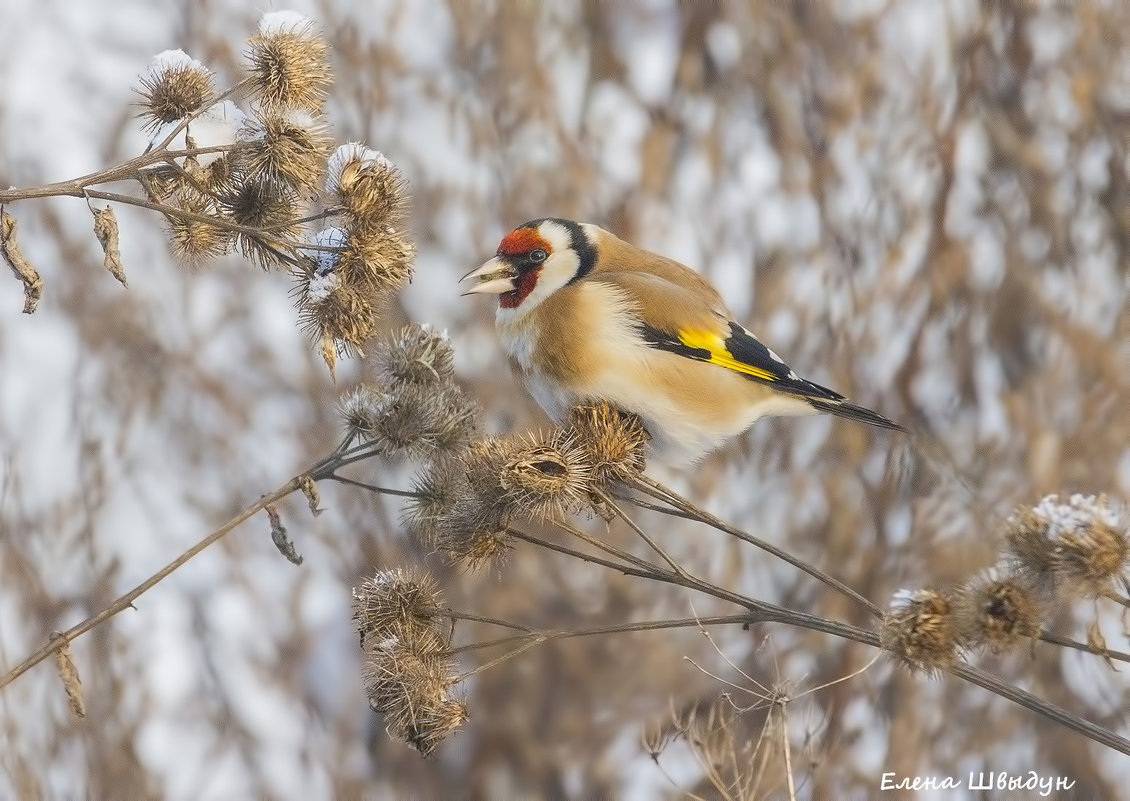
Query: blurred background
(921, 204)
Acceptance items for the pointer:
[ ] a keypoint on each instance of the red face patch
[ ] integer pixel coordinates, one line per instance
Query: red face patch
(526, 283)
(522, 240)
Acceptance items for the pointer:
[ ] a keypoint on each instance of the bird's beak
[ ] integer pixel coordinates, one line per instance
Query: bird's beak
(495, 277)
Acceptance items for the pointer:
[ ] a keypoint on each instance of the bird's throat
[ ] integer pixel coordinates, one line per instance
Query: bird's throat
(523, 285)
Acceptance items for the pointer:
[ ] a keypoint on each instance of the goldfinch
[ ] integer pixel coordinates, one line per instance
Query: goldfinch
(585, 316)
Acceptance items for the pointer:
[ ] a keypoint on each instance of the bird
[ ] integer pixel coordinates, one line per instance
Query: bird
(586, 317)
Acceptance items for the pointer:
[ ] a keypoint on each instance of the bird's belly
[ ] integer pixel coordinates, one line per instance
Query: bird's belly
(554, 398)
(683, 420)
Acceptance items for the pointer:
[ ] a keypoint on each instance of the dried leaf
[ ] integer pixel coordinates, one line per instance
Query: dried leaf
(106, 229)
(280, 539)
(68, 673)
(1096, 640)
(310, 490)
(329, 355)
(33, 284)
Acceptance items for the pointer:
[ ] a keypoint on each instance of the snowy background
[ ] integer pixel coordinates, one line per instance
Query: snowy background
(920, 204)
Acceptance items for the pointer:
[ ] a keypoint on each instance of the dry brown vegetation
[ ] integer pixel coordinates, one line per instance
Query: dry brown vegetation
(925, 208)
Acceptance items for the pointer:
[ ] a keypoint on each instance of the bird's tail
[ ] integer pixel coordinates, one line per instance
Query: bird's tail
(843, 408)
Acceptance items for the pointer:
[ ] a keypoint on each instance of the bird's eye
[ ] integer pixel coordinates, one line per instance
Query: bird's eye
(538, 255)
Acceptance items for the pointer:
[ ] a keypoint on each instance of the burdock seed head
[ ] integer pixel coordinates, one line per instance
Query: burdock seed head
(289, 63)
(547, 476)
(174, 86)
(409, 419)
(438, 491)
(256, 202)
(1078, 548)
(471, 542)
(342, 293)
(999, 609)
(412, 691)
(377, 258)
(918, 629)
(331, 307)
(1092, 539)
(416, 354)
(336, 314)
(435, 723)
(614, 442)
(367, 185)
(1028, 544)
(402, 603)
(460, 508)
(467, 499)
(285, 146)
(195, 241)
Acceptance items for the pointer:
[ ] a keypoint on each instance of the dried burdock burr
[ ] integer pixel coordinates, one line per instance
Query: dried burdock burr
(367, 186)
(411, 690)
(289, 63)
(1076, 549)
(286, 146)
(613, 441)
(409, 419)
(256, 202)
(416, 354)
(175, 86)
(195, 241)
(459, 508)
(918, 629)
(548, 476)
(403, 603)
(1000, 608)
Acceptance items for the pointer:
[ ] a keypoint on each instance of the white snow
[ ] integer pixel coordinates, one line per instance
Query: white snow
(1078, 513)
(331, 236)
(352, 153)
(276, 22)
(175, 59)
(218, 125)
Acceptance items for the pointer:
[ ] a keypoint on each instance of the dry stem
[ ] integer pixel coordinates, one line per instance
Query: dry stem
(758, 611)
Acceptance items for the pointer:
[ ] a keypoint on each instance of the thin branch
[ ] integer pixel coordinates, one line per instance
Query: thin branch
(612, 550)
(567, 551)
(318, 469)
(695, 516)
(655, 489)
(675, 566)
(617, 628)
(214, 221)
(766, 612)
(126, 171)
(841, 679)
(1054, 639)
(509, 655)
(783, 703)
(1118, 599)
(126, 601)
(372, 487)
(214, 101)
(1041, 707)
(456, 614)
(763, 611)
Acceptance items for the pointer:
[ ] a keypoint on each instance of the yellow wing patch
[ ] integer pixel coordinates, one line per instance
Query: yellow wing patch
(715, 346)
